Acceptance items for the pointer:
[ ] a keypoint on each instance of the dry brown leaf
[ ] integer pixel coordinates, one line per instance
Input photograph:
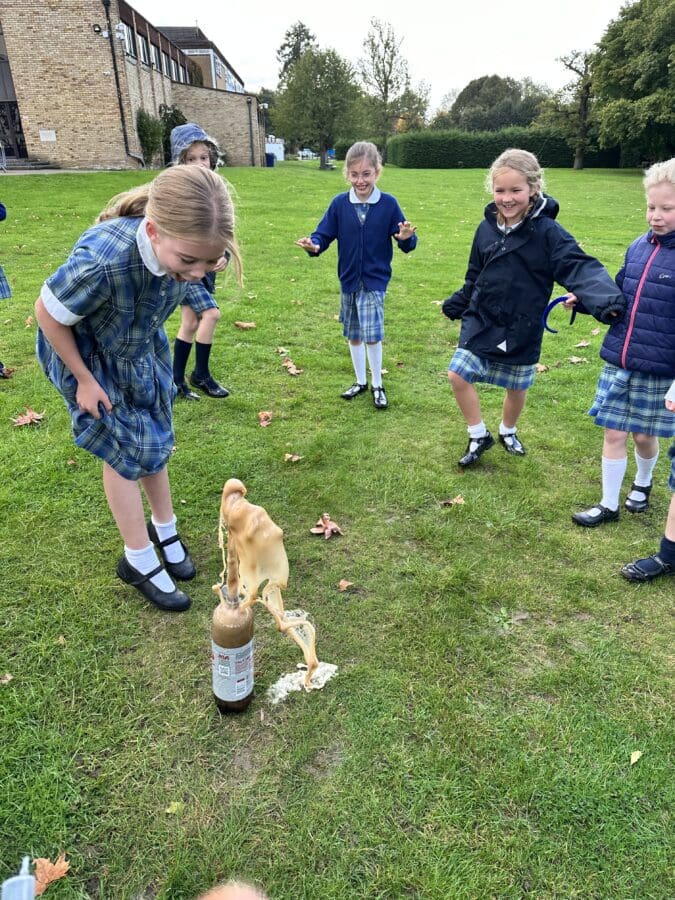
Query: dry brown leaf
(326, 527)
(575, 360)
(635, 755)
(583, 344)
(29, 321)
(6, 678)
(282, 351)
(30, 417)
(292, 457)
(290, 367)
(454, 501)
(541, 368)
(400, 365)
(343, 584)
(264, 417)
(244, 325)
(595, 331)
(71, 462)
(6, 372)
(61, 641)
(47, 871)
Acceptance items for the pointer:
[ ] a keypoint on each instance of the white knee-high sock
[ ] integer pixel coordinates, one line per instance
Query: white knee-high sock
(613, 471)
(643, 476)
(374, 352)
(173, 553)
(358, 353)
(145, 561)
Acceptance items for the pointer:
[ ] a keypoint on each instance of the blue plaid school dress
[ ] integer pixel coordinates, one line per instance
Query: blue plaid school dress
(5, 290)
(632, 401)
(116, 297)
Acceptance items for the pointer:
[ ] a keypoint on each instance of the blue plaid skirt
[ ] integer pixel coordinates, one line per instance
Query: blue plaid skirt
(632, 402)
(5, 290)
(362, 316)
(472, 368)
(671, 454)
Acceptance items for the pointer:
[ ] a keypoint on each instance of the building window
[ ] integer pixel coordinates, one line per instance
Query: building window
(174, 70)
(130, 41)
(156, 58)
(183, 75)
(145, 49)
(219, 69)
(167, 64)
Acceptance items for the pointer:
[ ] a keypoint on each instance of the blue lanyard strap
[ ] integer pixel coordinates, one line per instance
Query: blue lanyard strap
(549, 308)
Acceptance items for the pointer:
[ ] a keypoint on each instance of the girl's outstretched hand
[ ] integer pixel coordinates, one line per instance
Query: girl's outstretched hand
(308, 245)
(89, 394)
(571, 301)
(405, 231)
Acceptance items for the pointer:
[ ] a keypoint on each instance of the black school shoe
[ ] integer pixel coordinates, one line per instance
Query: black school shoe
(379, 398)
(638, 506)
(647, 569)
(209, 385)
(172, 601)
(587, 520)
(184, 391)
(354, 391)
(471, 456)
(183, 570)
(511, 444)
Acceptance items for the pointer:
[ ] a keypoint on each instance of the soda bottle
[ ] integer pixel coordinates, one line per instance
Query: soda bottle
(232, 653)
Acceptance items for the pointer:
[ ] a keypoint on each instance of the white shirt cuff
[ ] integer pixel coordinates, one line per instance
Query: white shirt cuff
(56, 309)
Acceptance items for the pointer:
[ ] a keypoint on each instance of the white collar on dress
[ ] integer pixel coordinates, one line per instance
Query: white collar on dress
(374, 197)
(145, 249)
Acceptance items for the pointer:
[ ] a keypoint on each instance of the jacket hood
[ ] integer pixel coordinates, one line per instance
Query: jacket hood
(182, 136)
(543, 206)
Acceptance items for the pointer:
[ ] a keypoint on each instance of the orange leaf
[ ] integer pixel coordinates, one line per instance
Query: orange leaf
(344, 584)
(29, 321)
(244, 325)
(264, 417)
(47, 871)
(540, 367)
(326, 527)
(30, 417)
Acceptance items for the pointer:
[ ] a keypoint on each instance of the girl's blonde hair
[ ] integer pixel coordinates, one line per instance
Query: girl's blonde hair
(521, 161)
(660, 173)
(362, 150)
(185, 202)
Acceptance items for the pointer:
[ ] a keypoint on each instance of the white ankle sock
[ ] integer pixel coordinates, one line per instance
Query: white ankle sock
(613, 471)
(173, 553)
(643, 476)
(504, 430)
(374, 352)
(358, 354)
(145, 561)
(475, 433)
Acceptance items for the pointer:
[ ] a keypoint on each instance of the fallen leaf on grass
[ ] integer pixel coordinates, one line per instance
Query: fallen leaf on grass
(60, 641)
(635, 755)
(326, 527)
(29, 321)
(71, 462)
(174, 808)
(575, 360)
(595, 331)
(583, 344)
(455, 501)
(437, 302)
(290, 367)
(337, 318)
(385, 371)
(6, 372)
(6, 678)
(47, 871)
(244, 325)
(282, 351)
(541, 368)
(30, 417)
(264, 417)
(400, 365)
(343, 584)
(292, 457)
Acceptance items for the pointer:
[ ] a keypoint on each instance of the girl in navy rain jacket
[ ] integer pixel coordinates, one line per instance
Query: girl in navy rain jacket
(639, 354)
(518, 251)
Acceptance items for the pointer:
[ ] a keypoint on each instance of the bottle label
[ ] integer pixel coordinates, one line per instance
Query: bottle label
(232, 669)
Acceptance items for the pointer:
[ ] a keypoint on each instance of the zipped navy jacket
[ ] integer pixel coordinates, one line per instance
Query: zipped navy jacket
(364, 251)
(510, 279)
(644, 341)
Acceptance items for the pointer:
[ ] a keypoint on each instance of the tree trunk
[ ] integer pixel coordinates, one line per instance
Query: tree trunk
(323, 157)
(579, 157)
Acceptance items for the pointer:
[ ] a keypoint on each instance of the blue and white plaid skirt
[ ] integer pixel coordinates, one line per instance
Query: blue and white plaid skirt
(473, 368)
(362, 316)
(5, 290)
(632, 402)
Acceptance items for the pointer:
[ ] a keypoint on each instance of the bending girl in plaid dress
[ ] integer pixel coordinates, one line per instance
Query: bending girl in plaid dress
(102, 344)
(5, 292)
(518, 251)
(639, 354)
(364, 221)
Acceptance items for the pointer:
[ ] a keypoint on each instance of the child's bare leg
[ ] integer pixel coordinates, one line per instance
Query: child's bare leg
(514, 403)
(189, 324)
(158, 491)
(207, 325)
(466, 396)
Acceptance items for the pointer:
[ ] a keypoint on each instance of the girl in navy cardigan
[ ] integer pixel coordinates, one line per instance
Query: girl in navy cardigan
(363, 221)
(639, 354)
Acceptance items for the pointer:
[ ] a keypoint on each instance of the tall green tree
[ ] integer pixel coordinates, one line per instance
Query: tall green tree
(569, 111)
(634, 78)
(315, 106)
(492, 102)
(385, 76)
(298, 39)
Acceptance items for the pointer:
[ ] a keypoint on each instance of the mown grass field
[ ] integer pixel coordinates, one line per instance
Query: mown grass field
(495, 671)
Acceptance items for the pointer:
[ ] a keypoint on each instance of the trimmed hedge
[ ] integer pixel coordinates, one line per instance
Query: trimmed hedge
(477, 150)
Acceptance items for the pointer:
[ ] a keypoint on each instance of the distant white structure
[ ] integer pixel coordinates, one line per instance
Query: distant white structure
(276, 146)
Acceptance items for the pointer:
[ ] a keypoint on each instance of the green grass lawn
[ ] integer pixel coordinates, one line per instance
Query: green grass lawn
(495, 671)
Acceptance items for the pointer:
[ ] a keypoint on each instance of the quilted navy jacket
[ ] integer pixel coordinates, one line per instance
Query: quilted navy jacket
(510, 279)
(644, 341)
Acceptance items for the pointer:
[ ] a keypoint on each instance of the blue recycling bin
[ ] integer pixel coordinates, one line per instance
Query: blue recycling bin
(269, 160)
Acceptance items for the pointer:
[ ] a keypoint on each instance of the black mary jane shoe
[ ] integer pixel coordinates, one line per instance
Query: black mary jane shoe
(638, 506)
(184, 391)
(172, 601)
(587, 520)
(354, 391)
(647, 569)
(183, 570)
(471, 456)
(210, 386)
(511, 444)
(379, 398)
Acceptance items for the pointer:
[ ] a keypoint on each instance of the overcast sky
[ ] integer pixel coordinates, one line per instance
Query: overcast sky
(447, 49)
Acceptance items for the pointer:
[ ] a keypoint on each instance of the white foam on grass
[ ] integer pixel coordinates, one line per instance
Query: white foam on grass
(295, 681)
